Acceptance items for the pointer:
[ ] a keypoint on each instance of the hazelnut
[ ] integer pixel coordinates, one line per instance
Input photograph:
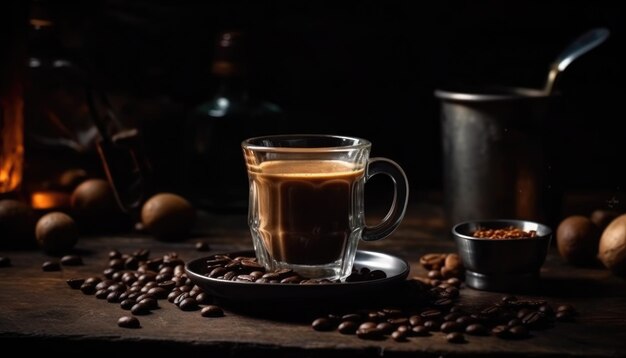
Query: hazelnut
(612, 246)
(56, 233)
(577, 240)
(168, 216)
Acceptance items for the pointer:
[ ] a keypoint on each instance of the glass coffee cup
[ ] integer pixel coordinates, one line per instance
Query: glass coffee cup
(306, 201)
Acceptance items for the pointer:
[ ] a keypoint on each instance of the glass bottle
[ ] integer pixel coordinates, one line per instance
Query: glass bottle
(216, 177)
(59, 134)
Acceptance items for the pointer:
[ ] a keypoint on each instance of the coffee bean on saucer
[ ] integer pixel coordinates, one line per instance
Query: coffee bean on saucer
(212, 311)
(75, 283)
(376, 275)
(49, 266)
(71, 260)
(142, 254)
(128, 322)
(5, 261)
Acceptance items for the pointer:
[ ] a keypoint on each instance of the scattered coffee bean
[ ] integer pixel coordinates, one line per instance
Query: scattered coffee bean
(370, 333)
(535, 320)
(322, 324)
(188, 304)
(75, 283)
(49, 266)
(149, 302)
(476, 329)
(202, 246)
(518, 332)
(420, 331)
(455, 337)
(212, 311)
(432, 326)
(565, 313)
(204, 298)
(5, 261)
(564, 316)
(113, 297)
(102, 294)
(93, 280)
(128, 322)
(158, 292)
(71, 260)
(501, 331)
(108, 272)
(127, 304)
(348, 327)
(139, 309)
(433, 261)
(88, 288)
(386, 327)
(399, 336)
(448, 327)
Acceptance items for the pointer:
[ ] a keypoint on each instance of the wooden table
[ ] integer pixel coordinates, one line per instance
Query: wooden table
(39, 310)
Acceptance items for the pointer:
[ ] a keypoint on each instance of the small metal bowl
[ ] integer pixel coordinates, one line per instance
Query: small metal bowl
(505, 265)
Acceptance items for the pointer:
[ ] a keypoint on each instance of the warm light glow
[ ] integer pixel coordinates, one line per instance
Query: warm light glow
(49, 200)
(11, 142)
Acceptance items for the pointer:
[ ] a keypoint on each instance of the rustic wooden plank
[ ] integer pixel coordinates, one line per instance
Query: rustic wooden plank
(38, 307)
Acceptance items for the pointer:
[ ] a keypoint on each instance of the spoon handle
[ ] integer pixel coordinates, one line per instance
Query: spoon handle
(580, 46)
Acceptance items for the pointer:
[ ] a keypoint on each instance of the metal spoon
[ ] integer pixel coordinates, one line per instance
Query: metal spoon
(580, 46)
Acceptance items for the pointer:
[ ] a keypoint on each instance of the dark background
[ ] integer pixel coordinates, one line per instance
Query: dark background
(366, 68)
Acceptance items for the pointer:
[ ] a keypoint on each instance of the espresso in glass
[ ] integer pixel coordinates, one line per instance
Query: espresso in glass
(305, 208)
(306, 201)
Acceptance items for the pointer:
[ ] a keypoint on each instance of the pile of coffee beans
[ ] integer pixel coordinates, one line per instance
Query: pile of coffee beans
(509, 232)
(247, 269)
(509, 318)
(137, 283)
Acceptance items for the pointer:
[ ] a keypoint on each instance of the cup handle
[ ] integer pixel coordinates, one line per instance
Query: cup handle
(400, 198)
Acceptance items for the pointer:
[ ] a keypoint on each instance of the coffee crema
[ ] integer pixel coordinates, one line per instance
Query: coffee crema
(306, 208)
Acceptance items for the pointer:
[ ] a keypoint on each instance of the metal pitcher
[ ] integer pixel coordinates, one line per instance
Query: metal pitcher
(496, 155)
